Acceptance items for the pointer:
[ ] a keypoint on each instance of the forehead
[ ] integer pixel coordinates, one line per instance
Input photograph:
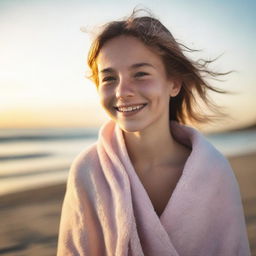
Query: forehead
(125, 51)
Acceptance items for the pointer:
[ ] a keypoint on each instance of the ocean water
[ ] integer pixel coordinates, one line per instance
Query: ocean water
(36, 157)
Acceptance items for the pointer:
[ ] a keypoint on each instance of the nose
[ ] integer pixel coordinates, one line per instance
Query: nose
(124, 89)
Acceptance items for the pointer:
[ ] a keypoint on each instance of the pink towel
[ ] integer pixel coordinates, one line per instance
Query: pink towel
(107, 211)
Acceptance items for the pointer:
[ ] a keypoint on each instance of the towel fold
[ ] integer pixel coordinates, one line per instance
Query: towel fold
(107, 211)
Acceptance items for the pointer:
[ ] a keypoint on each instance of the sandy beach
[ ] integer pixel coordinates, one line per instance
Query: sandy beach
(30, 219)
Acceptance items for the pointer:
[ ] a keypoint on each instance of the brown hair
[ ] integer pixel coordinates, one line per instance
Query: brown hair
(184, 107)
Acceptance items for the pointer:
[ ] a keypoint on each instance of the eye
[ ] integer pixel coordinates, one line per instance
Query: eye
(141, 74)
(108, 79)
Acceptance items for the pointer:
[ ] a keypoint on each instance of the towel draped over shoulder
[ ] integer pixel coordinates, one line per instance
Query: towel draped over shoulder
(107, 211)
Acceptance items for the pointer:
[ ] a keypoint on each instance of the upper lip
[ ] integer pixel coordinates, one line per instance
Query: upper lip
(129, 105)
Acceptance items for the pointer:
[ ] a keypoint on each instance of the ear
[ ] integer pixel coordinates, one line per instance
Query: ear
(175, 86)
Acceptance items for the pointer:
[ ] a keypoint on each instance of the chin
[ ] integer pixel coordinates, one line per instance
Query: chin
(130, 127)
(127, 128)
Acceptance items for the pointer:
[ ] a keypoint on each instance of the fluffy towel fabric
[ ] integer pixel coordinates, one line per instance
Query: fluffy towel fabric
(107, 211)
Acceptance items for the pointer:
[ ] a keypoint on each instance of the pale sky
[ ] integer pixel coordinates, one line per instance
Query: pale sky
(43, 55)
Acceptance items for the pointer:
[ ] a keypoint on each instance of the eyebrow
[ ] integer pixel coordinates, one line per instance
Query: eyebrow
(134, 66)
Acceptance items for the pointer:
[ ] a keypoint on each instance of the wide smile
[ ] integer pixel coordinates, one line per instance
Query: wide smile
(130, 110)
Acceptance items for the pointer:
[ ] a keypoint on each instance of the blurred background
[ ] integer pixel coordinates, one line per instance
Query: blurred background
(49, 110)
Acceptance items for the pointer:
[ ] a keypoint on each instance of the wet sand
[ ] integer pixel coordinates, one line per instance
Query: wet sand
(30, 219)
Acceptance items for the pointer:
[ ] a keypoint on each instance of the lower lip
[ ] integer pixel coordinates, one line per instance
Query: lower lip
(131, 113)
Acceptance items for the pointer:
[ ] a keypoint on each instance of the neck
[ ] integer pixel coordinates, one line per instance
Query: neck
(149, 149)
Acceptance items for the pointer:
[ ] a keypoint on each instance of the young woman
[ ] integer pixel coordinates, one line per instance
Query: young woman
(150, 185)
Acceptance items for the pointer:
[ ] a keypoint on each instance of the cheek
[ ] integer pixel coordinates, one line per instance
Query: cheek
(154, 90)
(105, 98)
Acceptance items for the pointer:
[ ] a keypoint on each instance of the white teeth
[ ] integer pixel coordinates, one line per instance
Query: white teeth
(129, 109)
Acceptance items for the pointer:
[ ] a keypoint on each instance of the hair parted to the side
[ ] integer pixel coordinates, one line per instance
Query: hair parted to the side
(184, 107)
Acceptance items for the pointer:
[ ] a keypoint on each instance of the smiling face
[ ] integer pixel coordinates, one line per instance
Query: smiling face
(133, 86)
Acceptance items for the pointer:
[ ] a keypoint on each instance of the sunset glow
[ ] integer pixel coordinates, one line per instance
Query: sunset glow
(43, 56)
